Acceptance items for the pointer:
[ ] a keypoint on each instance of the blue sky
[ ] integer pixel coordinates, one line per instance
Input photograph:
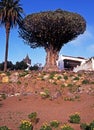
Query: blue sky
(82, 46)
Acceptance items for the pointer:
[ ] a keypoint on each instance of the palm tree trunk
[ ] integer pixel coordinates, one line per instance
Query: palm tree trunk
(51, 58)
(7, 27)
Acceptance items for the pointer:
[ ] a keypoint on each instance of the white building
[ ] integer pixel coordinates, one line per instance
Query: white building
(75, 63)
(69, 62)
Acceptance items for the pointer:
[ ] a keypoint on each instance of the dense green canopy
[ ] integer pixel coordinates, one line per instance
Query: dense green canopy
(52, 27)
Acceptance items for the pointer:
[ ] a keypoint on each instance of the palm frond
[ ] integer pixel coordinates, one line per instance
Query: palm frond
(11, 11)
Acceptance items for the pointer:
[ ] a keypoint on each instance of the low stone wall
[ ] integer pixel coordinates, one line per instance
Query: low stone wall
(88, 65)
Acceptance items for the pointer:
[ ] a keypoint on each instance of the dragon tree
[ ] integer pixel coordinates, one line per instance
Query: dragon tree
(51, 30)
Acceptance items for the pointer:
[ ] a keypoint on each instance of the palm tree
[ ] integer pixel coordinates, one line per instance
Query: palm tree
(10, 16)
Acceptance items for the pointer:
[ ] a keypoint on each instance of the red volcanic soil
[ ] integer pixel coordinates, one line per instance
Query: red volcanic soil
(13, 109)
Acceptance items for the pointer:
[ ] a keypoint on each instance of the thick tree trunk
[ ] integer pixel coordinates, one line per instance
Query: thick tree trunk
(7, 27)
(51, 58)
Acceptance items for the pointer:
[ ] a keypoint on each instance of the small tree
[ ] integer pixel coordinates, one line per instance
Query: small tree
(51, 30)
(10, 66)
(20, 65)
(35, 67)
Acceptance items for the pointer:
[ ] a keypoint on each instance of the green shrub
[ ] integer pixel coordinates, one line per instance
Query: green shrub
(92, 125)
(3, 96)
(79, 75)
(92, 82)
(45, 127)
(18, 82)
(23, 74)
(76, 78)
(8, 73)
(77, 96)
(70, 85)
(52, 75)
(35, 68)
(65, 77)
(26, 125)
(54, 123)
(4, 128)
(68, 99)
(63, 86)
(33, 117)
(85, 81)
(45, 94)
(59, 77)
(75, 118)
(54, 83)
(84, 126)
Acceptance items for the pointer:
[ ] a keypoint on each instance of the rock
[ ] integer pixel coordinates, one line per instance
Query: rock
(2, 74)
(14, 77)
(56, 95)
(27, 76)
(46, 77)
(17, 94)
(51, 80)
(16, 74)
(65, 84)
(5, 79)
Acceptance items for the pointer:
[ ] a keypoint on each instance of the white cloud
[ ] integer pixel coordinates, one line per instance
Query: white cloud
(85, 38)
